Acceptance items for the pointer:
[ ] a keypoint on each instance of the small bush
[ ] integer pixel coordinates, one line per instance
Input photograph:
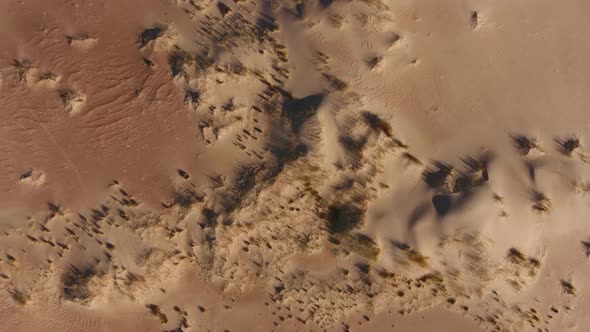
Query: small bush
(515, 256)
(177, 58)
(377, 124)
(524, 144)
(343, 217)
(567, 146)
(75, 283)
(19, 297)
(148, 35)
(568, 288)
(22, 68)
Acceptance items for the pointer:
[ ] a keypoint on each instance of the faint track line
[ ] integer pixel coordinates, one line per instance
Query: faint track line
(64, 154)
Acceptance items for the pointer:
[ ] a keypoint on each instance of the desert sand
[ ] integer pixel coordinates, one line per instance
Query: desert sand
(276, 165)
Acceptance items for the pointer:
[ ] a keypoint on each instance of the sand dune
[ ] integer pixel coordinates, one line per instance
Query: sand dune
(188, 165)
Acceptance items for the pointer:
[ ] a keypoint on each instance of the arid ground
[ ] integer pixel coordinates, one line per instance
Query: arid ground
(295, 165)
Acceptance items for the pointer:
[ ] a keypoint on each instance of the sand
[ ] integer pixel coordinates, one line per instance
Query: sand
(188, 165)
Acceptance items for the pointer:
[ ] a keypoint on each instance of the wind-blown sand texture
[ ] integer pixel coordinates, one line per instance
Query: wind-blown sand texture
(275, 165)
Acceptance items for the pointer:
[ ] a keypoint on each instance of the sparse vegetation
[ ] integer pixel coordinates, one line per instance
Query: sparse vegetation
(474, 19)
(377, 124)
(335, 82)
(177, 59)
(223, 8)
(354, 146)
(541, 203)
(437, 177)
(155, 310)
(75, 283)
(183, 174)
(78, 37)
(477, 168)
(499, 199)
(417, 258)
(266, 222)
(70, 99)
(344, 217)
(47, 76)
(202, 61)
(10, 259)
(192, 97)
(568, 146)
(245, 179)
(567, 287)
(532, 264)
(412, 159)
(581, 186)
(586, 245)
(373, 61)
(442, 204)
(363, 267)
(185, 197)
(435, 278)
(445, 179)
(132, 278)
(22, 68)
(19, 296)
(359, 244)
(515, 256)
(298, 111)
(524, 144)
(399, 144)
(149, 35)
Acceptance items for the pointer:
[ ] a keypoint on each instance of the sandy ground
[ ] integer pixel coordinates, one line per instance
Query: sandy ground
(188, 165)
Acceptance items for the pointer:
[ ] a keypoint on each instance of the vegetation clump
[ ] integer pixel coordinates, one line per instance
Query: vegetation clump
(541, 203)
(155, 310)
(149, 35)
(75, 283)
(19, 297)
(568, 288)
(524, 144)
(343, 217)
(568, 146)
(377, 124)
(22, 68)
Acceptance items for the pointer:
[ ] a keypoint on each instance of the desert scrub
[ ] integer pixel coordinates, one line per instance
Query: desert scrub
(343, 217)
(47, 76)
(19, 297)
(75, 283)
(568, 145)
(22, 68)
(359, 244)
(417, 258)
(541, 203)
(567, 287)
(412, 159)
(149, 35)
(71, 99)
(177, 59)
(335, 82)
(377, 124)
(586, 246)
(438, 176)
(155, 310)
(525, 144)
(515, 256)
